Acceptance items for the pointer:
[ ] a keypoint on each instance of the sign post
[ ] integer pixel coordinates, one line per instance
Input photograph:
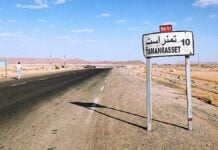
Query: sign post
(188, 92)
(6, 68)
(148, 93)
(163, 44)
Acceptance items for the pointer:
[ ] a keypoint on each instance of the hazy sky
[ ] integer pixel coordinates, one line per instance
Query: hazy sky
(102, 29)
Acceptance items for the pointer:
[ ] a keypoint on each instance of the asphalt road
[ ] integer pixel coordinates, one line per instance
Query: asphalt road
(29, 89)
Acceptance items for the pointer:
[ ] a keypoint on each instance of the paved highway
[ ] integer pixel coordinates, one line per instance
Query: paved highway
(16, 91)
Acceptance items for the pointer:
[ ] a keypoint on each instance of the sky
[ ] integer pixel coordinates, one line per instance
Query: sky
(102, 29)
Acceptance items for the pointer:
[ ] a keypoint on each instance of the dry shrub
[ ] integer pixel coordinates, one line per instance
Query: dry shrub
(57, 67)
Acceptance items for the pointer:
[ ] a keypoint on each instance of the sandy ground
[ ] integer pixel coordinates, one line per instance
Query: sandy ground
(204, 80)
(108, 112)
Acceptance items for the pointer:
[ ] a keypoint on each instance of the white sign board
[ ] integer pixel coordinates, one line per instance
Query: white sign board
(3, 63)
(178, 43)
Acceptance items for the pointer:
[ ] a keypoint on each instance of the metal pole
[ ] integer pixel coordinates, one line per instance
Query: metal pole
(64, 61)
(6, 68)
(188, 92)
(148, 94)
(50, 63)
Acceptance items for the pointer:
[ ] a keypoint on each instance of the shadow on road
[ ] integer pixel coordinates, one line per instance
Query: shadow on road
(91, 106)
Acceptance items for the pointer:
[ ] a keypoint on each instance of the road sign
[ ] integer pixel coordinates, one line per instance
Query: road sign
(166, 28)
(178, 43)
(3, 63)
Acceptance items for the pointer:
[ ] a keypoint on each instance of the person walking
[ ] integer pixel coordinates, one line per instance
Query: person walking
(18, 70)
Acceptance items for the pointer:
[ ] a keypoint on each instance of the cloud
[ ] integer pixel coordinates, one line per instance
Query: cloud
(12, 21)
(82, 30)
(88, 40)
(121, 21)
(63, 37)
(188, 19)
(104, 15)
(82, 41)
(205, 3)
(41, 20)
(212, 16)
(169, 23)
(72, 40)
(136, 28)
(38, 4)
(147, 22)
(7, 34)
(18, 36)
(11, 35)
(58, 2)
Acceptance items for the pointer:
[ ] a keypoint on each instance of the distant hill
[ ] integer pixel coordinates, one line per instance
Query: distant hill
(196, 62)
(68, 61)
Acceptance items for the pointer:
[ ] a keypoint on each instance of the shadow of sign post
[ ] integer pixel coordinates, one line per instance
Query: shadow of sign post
(91, 106)
(165, 44)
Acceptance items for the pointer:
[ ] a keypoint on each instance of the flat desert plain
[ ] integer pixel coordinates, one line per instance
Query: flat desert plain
(204, 77)
(108, 111)
(30, 70)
